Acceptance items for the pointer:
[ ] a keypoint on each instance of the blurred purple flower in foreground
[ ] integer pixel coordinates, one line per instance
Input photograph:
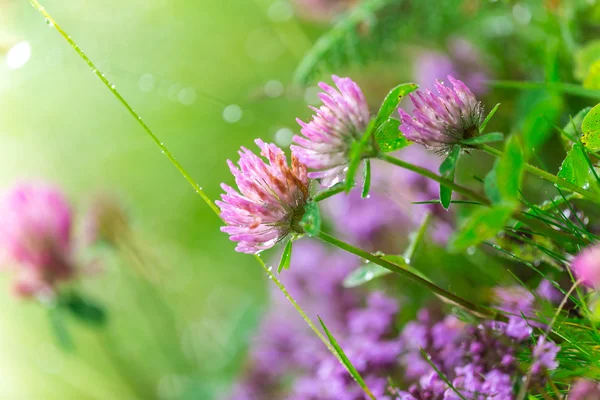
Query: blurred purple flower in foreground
(326, 140)
(35, 237)
(272, 199)
(323, 10)
(442, 120)
(586, 266)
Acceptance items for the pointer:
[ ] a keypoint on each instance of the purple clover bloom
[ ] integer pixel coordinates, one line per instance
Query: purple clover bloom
(271, 200)
(442, 120)
(326, 140)
(544, 356)
(35, 237)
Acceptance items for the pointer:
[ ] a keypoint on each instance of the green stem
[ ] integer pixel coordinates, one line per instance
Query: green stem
(531, 222)
(482, 311)
(431, 175)
(546, 175)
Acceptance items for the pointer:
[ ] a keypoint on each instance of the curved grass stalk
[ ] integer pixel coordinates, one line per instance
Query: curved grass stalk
(197, 188)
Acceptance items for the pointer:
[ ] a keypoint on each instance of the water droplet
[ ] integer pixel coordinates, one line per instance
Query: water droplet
(283, 137)
(18, 55)
(368, 276)
(49, 22)
(232, 113)
(274, 88)
(112, 86)
(187, 96)
(146, 82)
(270, 269)
(280, 11)
(471, 250)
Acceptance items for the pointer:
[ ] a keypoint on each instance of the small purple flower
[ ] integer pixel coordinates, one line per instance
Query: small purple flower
(442, 120)
(584, 390)
(326, 140)
(544, 356)
(546, 290)
(35, 236)
(271, 200)
(586, 266)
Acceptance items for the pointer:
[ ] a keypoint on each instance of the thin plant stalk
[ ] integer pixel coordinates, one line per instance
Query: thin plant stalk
(546, 175)
(479, 310)
(197, 188)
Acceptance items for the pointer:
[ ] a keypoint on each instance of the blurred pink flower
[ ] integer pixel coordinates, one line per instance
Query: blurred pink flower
(35, 237)
(270, 202)
(586, 266)
(322, 10)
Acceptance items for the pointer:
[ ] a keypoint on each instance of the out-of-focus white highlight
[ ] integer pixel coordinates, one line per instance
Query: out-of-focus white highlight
(18, 55)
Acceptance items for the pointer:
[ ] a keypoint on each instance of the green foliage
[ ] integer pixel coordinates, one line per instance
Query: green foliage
(357, 153)
(490, 184)
(483, 224)
(59, 329)
(389, 137)
(538, 110)
(391, 101)
(447, 168)
(485, 138)
(347, 363)
(576, 168)
(590, 128)
(311, 220)
(327, 193)
(286, 257)
(509, 170)
(366, 179)
(83, 309)
(488, 118)
(585, 58)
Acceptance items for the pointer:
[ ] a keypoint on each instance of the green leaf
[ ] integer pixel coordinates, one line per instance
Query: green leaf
(490, 185)
(311, 220)
(537, 112)
(509, 170)
(486, 138)
(332, 191)
(356, 154)
(367, 179)
(576, 169)
(391, 101)
(389, 137)
(57, 324)
(286, 257)
(416, 238)
(592, 80)
(488, 118)
(447, 169)
(344, 359)
(591, 129)
(585, 57)
(84, 309)
(483, 224)
(364, 274)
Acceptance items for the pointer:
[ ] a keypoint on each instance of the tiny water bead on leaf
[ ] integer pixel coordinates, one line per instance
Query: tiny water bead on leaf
(271, 200)
(443, 120)
(326, 141)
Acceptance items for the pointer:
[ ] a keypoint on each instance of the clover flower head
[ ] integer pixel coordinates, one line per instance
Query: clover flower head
(325, 143)
(270, 202)
(443, 120)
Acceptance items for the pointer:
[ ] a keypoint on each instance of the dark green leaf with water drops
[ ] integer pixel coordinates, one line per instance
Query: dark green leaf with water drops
(286, 257)
(311, 221)
(391, 101)
(572, 129)
(59, 328)
(84, 309)
(367, 178)
(488, 118)
(332, 191)
(509, 170)
(447, 169)
(483, 224)
(389, 137)
(590, 128)
(482, 139)
(344, 359)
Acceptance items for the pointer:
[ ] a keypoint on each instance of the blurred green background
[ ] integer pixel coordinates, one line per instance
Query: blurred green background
(179, 64)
